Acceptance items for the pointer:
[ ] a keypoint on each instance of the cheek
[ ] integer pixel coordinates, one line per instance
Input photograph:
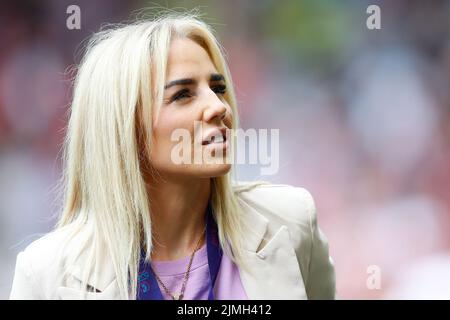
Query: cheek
(163, 130)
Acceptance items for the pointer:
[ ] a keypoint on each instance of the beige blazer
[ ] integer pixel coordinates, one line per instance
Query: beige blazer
(293, 263)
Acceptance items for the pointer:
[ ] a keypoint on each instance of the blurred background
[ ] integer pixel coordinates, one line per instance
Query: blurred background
(364, 120)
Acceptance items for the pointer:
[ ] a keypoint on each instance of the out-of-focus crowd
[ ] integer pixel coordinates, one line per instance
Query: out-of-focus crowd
(363, 117)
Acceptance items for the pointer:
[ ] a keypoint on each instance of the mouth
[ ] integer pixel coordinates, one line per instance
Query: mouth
(215, 137)
(215, 140)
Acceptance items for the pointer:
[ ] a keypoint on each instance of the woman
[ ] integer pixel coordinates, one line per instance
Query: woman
(138, 225)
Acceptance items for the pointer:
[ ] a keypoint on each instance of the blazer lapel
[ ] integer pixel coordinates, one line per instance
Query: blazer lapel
(101, 286)
(274, 272)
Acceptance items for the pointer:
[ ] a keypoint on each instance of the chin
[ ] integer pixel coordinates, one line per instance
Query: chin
(214, 170)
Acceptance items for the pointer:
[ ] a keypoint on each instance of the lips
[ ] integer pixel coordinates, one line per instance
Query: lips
(215, 136)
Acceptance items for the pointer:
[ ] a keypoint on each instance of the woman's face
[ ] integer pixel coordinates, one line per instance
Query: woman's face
(193, 110)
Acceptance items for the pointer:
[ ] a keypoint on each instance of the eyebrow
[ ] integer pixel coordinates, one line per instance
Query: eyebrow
(186, 81)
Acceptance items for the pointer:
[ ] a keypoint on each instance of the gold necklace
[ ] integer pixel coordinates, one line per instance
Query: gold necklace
(186, 275)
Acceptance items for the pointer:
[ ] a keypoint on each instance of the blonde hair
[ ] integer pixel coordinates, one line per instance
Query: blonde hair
(120, 78)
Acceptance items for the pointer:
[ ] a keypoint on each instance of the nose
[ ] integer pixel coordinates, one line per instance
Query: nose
(214, 108)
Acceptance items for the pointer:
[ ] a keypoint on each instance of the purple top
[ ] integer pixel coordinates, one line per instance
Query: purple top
(228, 284)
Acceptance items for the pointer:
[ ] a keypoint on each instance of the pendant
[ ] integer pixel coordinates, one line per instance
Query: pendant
(177, 297)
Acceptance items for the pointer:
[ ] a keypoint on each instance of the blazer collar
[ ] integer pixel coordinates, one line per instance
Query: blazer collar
(259, 225)
(80, 253)
(274, 271)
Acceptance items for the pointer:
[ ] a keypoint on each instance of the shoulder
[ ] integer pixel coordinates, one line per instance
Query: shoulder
(50, 246)
(294, 207)
(281, 206)
(279, 201)
(41, 262)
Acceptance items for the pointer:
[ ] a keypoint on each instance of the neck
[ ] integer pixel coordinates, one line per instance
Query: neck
(178, 216)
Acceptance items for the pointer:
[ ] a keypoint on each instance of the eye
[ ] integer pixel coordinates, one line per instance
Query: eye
(182, 94)
(219, 89)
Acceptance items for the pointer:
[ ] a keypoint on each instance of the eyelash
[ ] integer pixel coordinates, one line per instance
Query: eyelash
(185, 93)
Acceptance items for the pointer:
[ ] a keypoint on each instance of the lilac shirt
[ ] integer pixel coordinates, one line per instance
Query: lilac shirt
(228, 284)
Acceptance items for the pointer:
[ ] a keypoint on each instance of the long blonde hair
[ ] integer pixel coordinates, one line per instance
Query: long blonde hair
(120, 79)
